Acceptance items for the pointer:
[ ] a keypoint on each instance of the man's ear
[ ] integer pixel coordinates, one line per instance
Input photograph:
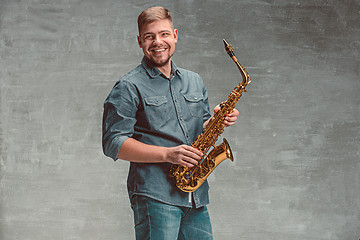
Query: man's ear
(176, 35)
(139, 41)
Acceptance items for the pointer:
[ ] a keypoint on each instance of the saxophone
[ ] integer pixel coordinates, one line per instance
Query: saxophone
(188, 179)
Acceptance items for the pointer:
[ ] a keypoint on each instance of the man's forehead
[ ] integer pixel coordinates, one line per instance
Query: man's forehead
(157, 26)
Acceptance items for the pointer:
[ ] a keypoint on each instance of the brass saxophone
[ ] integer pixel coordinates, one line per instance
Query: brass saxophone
(188, 179)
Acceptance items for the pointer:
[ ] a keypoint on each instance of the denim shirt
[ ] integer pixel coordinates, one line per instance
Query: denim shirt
(147, 106)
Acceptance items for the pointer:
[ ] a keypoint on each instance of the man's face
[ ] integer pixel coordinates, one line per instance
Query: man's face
(157, 40)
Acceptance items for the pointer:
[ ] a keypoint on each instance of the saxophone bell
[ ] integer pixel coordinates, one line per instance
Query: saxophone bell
(222, 152)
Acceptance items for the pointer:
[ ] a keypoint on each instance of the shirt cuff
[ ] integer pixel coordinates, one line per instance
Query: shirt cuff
(112, 150)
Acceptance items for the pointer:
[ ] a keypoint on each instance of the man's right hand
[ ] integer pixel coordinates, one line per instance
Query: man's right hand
(184, 155)
(135, 151)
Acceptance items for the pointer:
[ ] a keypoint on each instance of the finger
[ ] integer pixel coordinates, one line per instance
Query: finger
(233, 113)
(192, 152)
(227, 123)
(190, 161)
(216, 108)
(231, 119)
(186, 164)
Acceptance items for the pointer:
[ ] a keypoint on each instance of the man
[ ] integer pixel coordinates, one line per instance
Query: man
(151, 116)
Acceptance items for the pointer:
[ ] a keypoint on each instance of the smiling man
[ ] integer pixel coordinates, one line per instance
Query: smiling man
(157, 39)
(151, 117)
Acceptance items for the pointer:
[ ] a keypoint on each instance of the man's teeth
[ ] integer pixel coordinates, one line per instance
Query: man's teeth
(159, 50)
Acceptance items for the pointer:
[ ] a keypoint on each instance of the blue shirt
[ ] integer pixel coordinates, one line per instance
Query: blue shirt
(147, 106)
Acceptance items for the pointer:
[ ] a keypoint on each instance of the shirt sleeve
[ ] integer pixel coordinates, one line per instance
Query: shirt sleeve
(120, 109)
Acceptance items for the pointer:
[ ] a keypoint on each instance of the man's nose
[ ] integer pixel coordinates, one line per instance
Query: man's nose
(157, 40)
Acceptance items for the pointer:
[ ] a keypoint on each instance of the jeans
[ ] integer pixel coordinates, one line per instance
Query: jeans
(159, 221)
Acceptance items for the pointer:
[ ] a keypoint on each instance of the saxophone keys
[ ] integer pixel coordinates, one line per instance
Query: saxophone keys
(193, 182)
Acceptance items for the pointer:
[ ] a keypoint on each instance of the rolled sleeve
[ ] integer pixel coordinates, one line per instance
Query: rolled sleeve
(119, 118)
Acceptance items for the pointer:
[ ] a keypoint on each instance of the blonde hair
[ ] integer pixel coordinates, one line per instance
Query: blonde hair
(153, 14)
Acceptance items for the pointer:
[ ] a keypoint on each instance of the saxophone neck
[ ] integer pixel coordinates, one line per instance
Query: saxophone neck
(245, 76)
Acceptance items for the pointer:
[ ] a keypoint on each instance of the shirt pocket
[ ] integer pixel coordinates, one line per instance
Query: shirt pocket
(157, 109)
(194, 102)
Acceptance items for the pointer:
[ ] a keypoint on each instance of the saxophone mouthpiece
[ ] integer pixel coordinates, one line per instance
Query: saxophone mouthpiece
(225, 43)
(228, 48)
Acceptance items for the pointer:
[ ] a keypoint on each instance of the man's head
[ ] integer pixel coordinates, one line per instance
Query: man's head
(153, 14)
(157, 36)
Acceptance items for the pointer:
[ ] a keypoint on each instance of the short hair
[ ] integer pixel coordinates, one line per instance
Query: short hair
(153, 14)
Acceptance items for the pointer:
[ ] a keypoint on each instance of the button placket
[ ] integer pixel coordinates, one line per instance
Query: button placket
(178, 109)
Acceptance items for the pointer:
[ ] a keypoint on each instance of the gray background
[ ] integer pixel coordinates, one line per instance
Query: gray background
(296, 144)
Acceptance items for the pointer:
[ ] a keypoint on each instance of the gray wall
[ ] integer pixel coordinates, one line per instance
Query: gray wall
(296, 144)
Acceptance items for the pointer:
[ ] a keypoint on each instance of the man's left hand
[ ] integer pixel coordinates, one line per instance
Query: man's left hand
(231, 118)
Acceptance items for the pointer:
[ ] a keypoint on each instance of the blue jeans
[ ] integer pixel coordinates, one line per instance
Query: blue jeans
(159, 221)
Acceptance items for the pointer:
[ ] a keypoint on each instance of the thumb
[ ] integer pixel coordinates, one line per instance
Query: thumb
(217, 108)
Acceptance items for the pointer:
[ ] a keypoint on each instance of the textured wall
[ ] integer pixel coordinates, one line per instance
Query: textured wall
(296, 144)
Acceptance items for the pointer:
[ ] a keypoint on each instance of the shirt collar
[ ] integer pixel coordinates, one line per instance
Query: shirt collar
(155, 72)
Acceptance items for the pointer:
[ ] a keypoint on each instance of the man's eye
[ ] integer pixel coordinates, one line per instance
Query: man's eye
(149, 37)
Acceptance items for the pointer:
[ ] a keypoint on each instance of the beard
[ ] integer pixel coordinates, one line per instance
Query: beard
(153, 61)
(158, 64)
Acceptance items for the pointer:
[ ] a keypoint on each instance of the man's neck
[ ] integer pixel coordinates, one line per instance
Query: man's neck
(166, 70)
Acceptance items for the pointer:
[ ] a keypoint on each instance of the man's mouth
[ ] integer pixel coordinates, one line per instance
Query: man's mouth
(158, 50)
